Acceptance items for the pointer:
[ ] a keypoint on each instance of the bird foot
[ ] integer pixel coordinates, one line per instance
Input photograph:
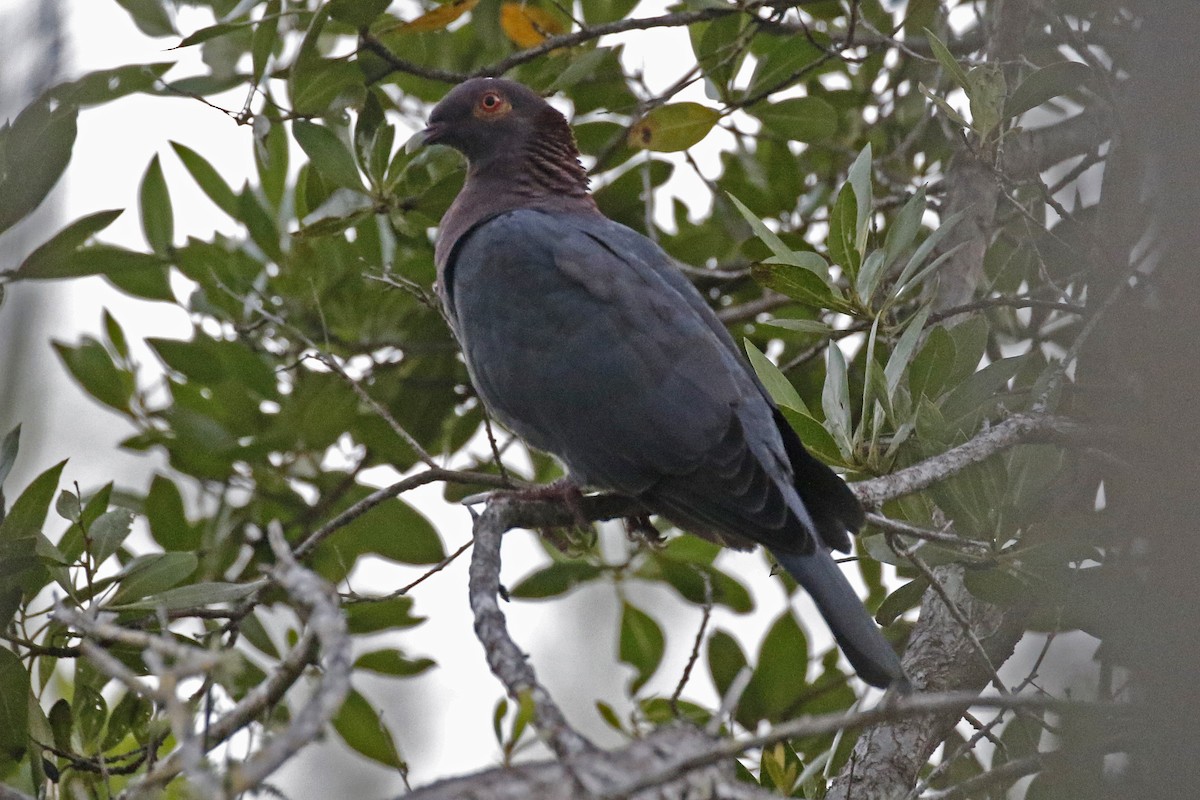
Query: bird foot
(638, 527)
(562, 490)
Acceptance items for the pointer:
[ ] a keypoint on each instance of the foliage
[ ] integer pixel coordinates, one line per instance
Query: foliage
(318, 353)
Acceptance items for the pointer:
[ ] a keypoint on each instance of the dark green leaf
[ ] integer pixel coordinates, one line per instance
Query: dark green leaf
(207, 178)
(842, 232)
(725, 660)
(147, 575)
(8, 454)
(393, 530)
(1045, 84)
(933, 366)
(392, 662)
(779, 675)
(901, 600)
(14, 708)
(381, 615)
(91, 712)
(61, 721)
(53, 258)
(158, 221)
(93, 367)
(168, 521)
(947, 60)
(37, 147)
(556, 579)
(131, 715)
(28, 513)
(196, 595)
(328, 154)
(150, 16)
(777, 384)
(642, 644)
(357, 13)
(108, 532)
(361, 727)
(106, 85)
(801, 119)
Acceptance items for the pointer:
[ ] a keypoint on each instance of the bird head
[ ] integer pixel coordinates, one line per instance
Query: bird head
(485, 117)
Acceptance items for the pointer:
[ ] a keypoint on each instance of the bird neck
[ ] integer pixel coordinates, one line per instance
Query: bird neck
(545, 164)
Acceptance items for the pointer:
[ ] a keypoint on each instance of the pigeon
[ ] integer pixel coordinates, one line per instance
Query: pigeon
(585, 339)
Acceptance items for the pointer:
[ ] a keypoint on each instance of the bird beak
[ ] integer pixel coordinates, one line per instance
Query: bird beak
(430, 135)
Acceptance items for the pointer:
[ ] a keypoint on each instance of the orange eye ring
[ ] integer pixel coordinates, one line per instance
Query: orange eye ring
(492, 104)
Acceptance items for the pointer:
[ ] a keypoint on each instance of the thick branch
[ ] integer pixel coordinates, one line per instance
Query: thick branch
(1019, 429)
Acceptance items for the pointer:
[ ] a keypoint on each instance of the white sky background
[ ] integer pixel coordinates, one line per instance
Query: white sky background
(441, 721)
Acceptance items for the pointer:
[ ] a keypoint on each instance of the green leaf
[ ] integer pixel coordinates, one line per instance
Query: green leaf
(908, 274)
(357, 13)
(68, 506)
(842, 226)
(392, 662)
(725, 660)
(8, 456)
(91, 712)
(800, 325)
(815, 436)
(688, 578)
(14, 709)
(207, 178)
(61, 721)
(1045, 84)
(164, 512)
(779, 675)
(556, 579)
(393, 530)
(147, 575)
(801, 119)
(264, 39)
(362, 728)
(158, 221)
(765, 234)
(642, 644)
(859, 178)
(108, 532)
(37, 147)
(777, 384)
(903, 230)
(150, 16)
(328, 154)
(314, 83)
(673, 127)
(131, 715)
(106, 85)
(93, 367)
(381, 615)
(53, 258)
(902, 353)
(987, 93)
(835, 399)
(901, 600)
(947, 60)
(933, 366)
(28, 513)
(196, 595)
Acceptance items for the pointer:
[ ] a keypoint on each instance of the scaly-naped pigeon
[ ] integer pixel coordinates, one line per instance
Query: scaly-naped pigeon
(583, 337)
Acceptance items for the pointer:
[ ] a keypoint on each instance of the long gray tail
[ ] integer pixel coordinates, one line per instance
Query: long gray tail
(857, 634)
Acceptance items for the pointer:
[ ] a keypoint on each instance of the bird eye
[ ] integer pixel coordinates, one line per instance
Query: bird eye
(490, 101)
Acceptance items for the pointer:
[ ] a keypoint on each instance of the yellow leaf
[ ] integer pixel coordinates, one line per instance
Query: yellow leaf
(675, 126)
(436, 19)
(528, 26)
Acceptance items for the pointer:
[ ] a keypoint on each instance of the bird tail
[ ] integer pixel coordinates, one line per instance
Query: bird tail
(856, 633)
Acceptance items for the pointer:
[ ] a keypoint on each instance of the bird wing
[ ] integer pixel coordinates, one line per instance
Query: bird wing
(579, 338)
